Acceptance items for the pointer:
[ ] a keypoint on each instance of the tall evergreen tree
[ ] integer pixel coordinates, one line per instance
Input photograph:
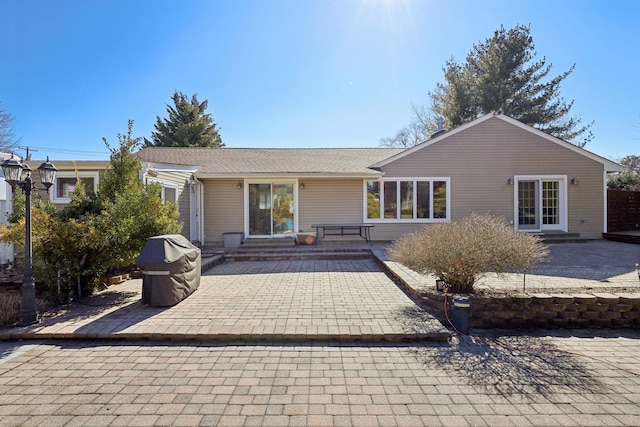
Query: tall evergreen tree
(187, 125)
(501, 74)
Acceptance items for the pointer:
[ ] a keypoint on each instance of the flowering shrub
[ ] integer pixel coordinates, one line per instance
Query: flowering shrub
(461, 252)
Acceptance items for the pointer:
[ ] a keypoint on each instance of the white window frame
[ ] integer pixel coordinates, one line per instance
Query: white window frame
(166, 184)
(173, 186)
(53, 191)
(381, 182)
(245, 188)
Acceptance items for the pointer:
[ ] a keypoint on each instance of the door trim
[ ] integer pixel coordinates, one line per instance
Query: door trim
(563, 205)
(245, 187)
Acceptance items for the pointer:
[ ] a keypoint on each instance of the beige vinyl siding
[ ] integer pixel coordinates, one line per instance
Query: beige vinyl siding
(330, 201)
(392, 231)
(178, 179)
(69, 167)
(480, 159)
(223, 208)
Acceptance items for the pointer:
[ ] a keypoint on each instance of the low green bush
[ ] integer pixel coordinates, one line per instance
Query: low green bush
(461, 252)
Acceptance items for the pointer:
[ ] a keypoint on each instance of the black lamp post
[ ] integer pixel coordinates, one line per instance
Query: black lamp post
(19, 175)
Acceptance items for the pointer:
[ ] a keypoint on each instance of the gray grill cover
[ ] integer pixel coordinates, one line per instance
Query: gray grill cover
(171, 269)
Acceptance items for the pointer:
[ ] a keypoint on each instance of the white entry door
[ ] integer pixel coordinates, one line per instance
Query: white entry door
(541, 203)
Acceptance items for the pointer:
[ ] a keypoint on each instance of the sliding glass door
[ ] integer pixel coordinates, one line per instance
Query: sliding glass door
(271, 209)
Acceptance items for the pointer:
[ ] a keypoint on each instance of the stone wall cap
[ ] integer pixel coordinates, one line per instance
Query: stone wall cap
(607, 296)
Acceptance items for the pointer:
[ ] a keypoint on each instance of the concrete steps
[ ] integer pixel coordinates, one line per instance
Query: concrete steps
(287, 250)
(295, 254)
(561, 237)
(262, 244)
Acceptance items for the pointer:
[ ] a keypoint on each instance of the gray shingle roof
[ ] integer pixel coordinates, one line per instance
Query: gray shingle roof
(274, 161)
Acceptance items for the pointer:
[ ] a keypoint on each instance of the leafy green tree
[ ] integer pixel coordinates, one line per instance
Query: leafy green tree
(132, 211)
(499, 74)
(187, 125)
(629, 179)
(74, 247)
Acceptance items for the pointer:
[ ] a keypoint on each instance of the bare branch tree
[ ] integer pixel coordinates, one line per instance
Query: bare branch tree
(422, 125)
(8, 140)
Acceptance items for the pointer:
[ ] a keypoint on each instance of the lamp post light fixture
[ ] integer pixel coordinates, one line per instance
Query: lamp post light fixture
(441, 285)
(18, 174)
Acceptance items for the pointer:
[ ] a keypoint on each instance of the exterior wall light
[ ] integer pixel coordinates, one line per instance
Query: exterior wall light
(510, 181)
(19, 175)
(239, 185)
(574, 181)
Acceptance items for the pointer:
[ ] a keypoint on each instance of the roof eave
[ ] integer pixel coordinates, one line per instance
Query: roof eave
(290, 175)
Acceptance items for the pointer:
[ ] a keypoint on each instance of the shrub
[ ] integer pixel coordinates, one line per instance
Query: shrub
(10, 307)
(461, 252)
(74, 247)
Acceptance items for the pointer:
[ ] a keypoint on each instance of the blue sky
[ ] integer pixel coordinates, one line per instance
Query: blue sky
(291, 73)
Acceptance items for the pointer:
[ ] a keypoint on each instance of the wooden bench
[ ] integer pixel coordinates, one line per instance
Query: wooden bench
(361, 230)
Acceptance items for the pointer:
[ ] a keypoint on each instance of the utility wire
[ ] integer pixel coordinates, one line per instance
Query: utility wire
(105, 153)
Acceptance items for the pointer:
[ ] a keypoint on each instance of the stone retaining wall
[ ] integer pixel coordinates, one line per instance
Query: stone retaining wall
(605, 310)
(544, 310)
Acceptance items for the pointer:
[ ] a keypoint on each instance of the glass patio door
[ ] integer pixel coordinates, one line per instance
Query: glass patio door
(541, 204)
(271, 209)
(528, 214)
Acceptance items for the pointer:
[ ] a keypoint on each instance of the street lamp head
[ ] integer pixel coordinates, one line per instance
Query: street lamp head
(26, 172)
(47, 173)
(12, 170)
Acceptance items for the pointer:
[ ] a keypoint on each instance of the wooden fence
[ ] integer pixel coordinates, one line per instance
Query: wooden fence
(623, 210)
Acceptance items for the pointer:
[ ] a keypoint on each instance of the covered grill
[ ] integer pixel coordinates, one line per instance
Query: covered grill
(171, 269)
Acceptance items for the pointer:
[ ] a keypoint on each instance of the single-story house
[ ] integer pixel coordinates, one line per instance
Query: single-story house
(494, 164)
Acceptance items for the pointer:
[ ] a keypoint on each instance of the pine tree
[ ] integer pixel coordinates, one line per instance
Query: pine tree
(501, 74)
(187, 125)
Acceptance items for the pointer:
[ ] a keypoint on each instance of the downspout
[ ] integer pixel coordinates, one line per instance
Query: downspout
(197, 187)
(606, 212)
(200, 195)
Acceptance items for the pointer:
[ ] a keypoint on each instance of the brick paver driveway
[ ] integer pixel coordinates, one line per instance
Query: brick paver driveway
(514, 381)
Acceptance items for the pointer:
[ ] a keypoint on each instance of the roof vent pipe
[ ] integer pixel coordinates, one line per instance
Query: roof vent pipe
(441, 128)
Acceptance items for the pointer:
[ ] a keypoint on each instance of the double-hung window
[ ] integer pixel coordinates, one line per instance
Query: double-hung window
(169, 193)
(168, 190)
(408, 199)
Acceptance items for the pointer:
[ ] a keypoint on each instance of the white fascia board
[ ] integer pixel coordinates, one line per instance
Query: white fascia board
(374, 175)
(429, 142)
(609, 165)
(164, 167)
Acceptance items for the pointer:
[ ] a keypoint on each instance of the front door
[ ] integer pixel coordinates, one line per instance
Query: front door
(271, 209)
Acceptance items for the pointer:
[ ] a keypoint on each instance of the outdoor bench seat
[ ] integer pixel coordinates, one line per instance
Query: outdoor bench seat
(361, 229)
